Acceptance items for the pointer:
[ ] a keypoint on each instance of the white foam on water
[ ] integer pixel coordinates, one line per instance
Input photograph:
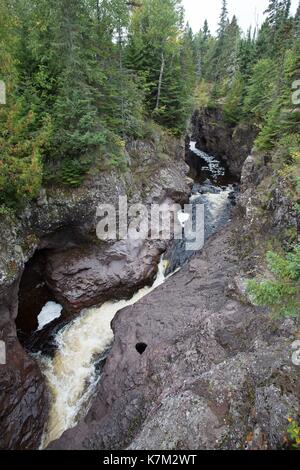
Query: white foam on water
(217, 202)
(214, 165)
(71, 374)
(183, 218)
(51, 311)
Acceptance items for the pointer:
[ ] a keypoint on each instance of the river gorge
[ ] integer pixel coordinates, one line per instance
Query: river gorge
(74, 371)
(144, 345)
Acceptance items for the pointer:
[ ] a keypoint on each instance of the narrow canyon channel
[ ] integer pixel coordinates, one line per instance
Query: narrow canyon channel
(74, 370)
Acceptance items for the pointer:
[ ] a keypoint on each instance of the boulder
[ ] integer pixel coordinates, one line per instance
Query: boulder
(88, 276)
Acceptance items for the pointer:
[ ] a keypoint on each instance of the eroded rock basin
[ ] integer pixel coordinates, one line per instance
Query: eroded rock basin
(61, 219)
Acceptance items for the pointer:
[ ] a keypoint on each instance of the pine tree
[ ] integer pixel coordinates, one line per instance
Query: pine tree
(77, 126)
(233, 105)
(260, 91)
(278, 26)
(278, 11)
(224, 21)
(201, 47)
(231, 45)
(206, 31)
(247, 55)
(290, 110)
(218, 59)
(297, 22)
(21, 144)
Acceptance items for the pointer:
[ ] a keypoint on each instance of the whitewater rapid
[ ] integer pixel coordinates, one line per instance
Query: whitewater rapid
(71, 374)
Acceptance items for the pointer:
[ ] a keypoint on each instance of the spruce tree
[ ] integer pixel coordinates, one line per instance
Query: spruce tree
(201, 47)
(297, 22)
(224, 21)
(260, 91)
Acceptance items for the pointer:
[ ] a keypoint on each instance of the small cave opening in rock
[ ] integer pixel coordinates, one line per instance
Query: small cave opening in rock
(34, 294)
(141, 347)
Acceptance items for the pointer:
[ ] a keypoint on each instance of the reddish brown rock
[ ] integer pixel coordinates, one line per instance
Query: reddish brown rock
(23, 399)
(232, 144)
(84, 277)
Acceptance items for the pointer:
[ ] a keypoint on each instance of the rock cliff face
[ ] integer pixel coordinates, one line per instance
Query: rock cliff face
(61, 226)
(23, 401)
(213, 135)
(265, 202)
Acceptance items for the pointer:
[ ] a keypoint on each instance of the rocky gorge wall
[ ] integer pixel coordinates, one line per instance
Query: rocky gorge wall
(267, 208)
(76, 268)
(265, 203)
(230, 143)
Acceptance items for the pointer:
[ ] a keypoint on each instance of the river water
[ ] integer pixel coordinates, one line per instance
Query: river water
(73, 373)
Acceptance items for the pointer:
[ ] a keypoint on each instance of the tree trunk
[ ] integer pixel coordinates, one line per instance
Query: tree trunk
(120, 43)
(162, 68)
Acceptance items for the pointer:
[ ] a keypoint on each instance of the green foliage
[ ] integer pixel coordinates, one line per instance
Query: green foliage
(289, 145)
(20, 160)
(233, 102)
(270, 131)
(253, 77)
(161, 53)
(293, 432)
(6, 211)
(113, 153)
(260, 91)
(203, 93)
(223, 55)
(282, 294)
(82, 79)
(73, 172)
(247, 56)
